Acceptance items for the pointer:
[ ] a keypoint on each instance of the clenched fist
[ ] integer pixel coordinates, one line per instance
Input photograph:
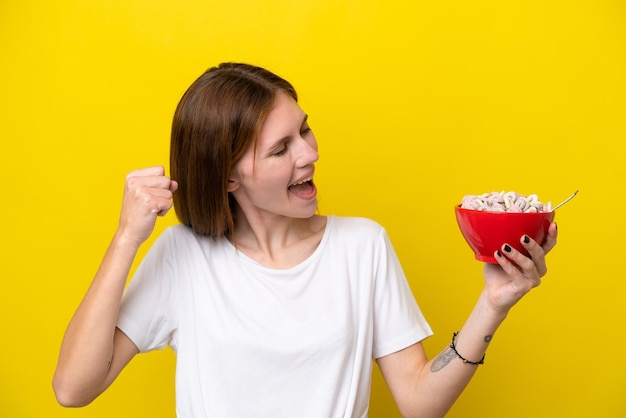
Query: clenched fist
(147, 194)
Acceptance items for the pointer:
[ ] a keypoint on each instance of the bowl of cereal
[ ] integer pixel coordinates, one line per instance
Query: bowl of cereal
(490, 220)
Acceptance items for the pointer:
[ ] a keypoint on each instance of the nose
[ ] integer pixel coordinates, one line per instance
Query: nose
(308, 151)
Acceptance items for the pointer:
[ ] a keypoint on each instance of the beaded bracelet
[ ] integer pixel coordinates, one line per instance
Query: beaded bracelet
(453, 347)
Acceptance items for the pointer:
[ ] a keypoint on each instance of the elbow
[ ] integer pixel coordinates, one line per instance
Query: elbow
(68, 395)
(68, 402)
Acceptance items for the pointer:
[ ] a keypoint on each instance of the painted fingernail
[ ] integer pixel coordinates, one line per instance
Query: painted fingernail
(526, 239)
(499, 253)
(507, 248)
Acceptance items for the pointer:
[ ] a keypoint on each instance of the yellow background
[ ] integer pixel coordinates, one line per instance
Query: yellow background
(414, 104)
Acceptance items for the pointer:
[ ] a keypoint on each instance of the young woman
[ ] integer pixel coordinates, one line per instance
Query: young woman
(273, 310)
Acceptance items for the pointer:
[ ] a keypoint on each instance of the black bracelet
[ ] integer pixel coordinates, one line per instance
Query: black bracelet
(453, 347)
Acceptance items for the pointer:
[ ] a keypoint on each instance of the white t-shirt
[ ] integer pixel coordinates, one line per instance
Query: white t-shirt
(258, 342)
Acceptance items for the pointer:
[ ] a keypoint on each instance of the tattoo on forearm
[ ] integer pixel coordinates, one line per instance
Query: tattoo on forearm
(442, 360)
(447, 355)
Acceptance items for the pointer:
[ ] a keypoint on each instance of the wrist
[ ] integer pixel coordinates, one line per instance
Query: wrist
(124, 242)
(466, 361)
(488, 312)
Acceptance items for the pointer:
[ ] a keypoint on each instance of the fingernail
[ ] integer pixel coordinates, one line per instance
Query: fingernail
(526, 239)
(499, 253)
(507, 248)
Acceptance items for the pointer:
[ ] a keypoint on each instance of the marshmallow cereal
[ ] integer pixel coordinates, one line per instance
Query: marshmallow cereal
(505, 202)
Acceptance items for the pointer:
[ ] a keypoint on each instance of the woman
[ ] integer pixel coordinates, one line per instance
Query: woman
(272, 309)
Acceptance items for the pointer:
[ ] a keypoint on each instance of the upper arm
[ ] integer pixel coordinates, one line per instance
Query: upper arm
(123, 352)
(401, 371)
(76, 391)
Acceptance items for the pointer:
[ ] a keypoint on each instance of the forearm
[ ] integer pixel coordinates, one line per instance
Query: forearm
(429, 389)
(446, 376)
(424, 388)
(88, 345)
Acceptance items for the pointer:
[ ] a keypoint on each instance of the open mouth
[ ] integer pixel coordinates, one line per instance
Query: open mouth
(304, 189)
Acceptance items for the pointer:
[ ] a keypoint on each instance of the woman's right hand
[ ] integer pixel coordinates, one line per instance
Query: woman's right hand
(147, 194)
(94, 351)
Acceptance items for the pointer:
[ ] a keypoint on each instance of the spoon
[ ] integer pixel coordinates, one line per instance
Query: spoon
(565, 201)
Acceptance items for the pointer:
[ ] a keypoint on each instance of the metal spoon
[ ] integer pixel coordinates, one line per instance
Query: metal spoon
(565, 201)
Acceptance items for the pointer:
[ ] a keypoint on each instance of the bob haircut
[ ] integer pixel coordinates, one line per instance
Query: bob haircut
(218, 118)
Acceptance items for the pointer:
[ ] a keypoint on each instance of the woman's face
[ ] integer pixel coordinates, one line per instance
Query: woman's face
(276, 179)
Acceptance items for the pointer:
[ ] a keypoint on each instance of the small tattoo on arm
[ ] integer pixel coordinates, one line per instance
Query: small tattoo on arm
(442, 360)
(488, 338)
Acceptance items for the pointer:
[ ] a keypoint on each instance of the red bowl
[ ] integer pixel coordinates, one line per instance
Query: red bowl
(486, 232)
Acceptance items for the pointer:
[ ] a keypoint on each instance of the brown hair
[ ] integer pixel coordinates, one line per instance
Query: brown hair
(216, 120)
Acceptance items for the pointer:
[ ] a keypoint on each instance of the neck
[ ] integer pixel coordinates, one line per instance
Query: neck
(278, 241)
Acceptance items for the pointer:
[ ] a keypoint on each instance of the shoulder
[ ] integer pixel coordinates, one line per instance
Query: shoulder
(175, 235)
(180, 239)
(363, 229)
(179, 247)
(182, 234)
(356, 223)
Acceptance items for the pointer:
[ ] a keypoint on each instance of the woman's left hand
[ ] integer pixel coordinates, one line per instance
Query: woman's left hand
(516, 274)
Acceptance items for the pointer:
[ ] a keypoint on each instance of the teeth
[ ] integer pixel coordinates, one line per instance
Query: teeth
(301, 182)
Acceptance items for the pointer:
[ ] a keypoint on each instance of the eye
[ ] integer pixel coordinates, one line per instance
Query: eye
(305, 130)
(280, 152)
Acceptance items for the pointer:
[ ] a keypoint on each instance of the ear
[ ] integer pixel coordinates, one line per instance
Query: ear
(232, 185)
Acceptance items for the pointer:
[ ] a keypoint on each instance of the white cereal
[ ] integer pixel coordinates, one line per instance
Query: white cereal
(505, 202)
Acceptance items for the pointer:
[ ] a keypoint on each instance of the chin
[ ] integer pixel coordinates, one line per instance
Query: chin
(308, 214)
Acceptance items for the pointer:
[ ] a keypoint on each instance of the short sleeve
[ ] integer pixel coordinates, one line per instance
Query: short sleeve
(147, 315)
(398, 321)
